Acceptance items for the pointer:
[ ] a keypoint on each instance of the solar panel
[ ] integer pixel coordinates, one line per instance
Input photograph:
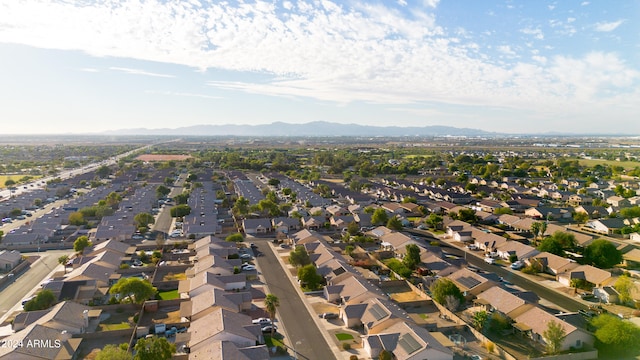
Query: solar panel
(468, 282)
(409, 343)
(377, 312)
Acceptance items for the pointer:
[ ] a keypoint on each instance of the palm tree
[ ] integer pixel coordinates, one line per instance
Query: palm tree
(271, 302)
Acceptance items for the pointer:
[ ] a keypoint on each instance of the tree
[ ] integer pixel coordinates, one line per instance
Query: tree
(444, 287)
(580, 217)
(237, 237)
(271, 302)
(616, 335)
(468, 215)
(103, 171)
(9, 183)
(309, 277)
(113, 352)
(348, 250)
(44, 300)
(412, 256)
(379, 217)
(241, 207)
(433, 220)
(565, 239)
(602, 254)
(154, 348)
(143, 219)
(624, 285)
(180, 210)
(353, 228)
(394, 223)
(551, 245)
(162, 191)
(554, 336)
(538, 229)
(479, 320)
(62, 260)
(81, 243)
(385, 355)
(299, 256)
(503, 210)
(76, 218)
(136, 289)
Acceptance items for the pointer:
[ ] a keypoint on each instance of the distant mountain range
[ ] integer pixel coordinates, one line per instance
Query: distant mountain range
(311, 129)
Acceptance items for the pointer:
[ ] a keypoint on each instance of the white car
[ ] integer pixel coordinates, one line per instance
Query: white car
(517, 265)
(245, 256)
(248, 268)
(489, 260)
(261, 321)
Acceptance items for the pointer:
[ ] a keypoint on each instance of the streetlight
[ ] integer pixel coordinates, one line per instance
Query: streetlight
(294, 348)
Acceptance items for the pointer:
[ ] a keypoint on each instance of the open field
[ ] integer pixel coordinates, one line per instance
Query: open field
(627, 165)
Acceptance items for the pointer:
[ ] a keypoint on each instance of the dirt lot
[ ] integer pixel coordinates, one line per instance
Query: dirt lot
(402, 293)
(89, 348)
(163, 315)
(322, 308)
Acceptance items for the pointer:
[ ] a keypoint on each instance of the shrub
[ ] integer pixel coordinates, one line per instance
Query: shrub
(346, 346)
(489, 346)
(353, 357)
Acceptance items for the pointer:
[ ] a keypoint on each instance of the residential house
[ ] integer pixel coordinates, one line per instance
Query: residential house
(470, 283)
(594, 212)
(535, 321)
(67, 349)
(224, 325)
(207, 280)
(552, 263)
(286, 224)
(618, 201)
(406, 341)
(631, 259)
(593, 275)
(605, 226)
(498, 299)
(257, 226)
(9, 260)
(207, 301)
(549, 213)
(522, 251)
(227, 350)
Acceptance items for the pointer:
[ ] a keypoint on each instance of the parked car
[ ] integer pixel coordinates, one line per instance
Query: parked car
(245, 256)
(472, 247)
(261, 321)
(269, 328)
(248, 268)
(489, 260)
(329, 315)
(517, 265)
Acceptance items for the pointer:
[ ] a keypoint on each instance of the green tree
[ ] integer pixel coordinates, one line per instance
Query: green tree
(479, 320)
(554, 336)
(565, 239)
(103, 171)
(241, 206)
(433, 220)
(271, 303)
(624, 285)
(154, 348)
(348, 250)
(236, 237)
(443, 287)
(180, 210)
(503, 210)
(76, 218)
(385, 355)
(62, 260)
(44, 300)
(113, 352)
(412, 257)
(538, 229)
(394, 223)
(580, 217)
(9, 183)
(137, 289)
(379, 217)
(182, 199)
(468, 215)
(143, 219)
(309, 277)
(299, 257)
(81, 243)
(615, 335)
(162, 191)
(602, 254)
(551, 245)
(353, 228)
(398, 267)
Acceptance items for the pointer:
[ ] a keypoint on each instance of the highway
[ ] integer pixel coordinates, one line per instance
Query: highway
(301, 329)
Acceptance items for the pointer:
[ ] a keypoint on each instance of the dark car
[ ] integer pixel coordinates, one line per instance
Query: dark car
(328, 316)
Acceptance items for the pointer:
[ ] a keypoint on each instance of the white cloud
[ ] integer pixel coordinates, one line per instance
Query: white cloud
(140, 72)
(362, 52)
(537, 32)
(431, 3)
(584, 3)
(402, 2)
(608, 26)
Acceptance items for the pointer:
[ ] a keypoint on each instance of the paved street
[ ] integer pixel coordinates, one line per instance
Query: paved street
(11, 295)
(301, 329)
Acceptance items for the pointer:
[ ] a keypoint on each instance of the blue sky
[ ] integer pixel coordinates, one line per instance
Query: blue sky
(506, 66)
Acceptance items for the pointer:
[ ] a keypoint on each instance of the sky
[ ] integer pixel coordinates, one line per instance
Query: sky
(79, 66)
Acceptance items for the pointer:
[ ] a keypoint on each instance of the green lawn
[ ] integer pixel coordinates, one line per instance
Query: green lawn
(344, 336)
(273, 341)
(424, 316)
(169, 295)
(111, 327)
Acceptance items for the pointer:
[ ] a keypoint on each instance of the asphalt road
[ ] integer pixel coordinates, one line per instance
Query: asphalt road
(300, 327)
(12, 294)
(513, 277)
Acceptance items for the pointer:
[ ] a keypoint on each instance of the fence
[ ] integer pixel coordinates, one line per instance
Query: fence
(587, 355)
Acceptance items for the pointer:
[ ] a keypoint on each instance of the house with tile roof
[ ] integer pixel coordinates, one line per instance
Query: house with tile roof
(535, 321)
(406, 341)
(223, 325)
